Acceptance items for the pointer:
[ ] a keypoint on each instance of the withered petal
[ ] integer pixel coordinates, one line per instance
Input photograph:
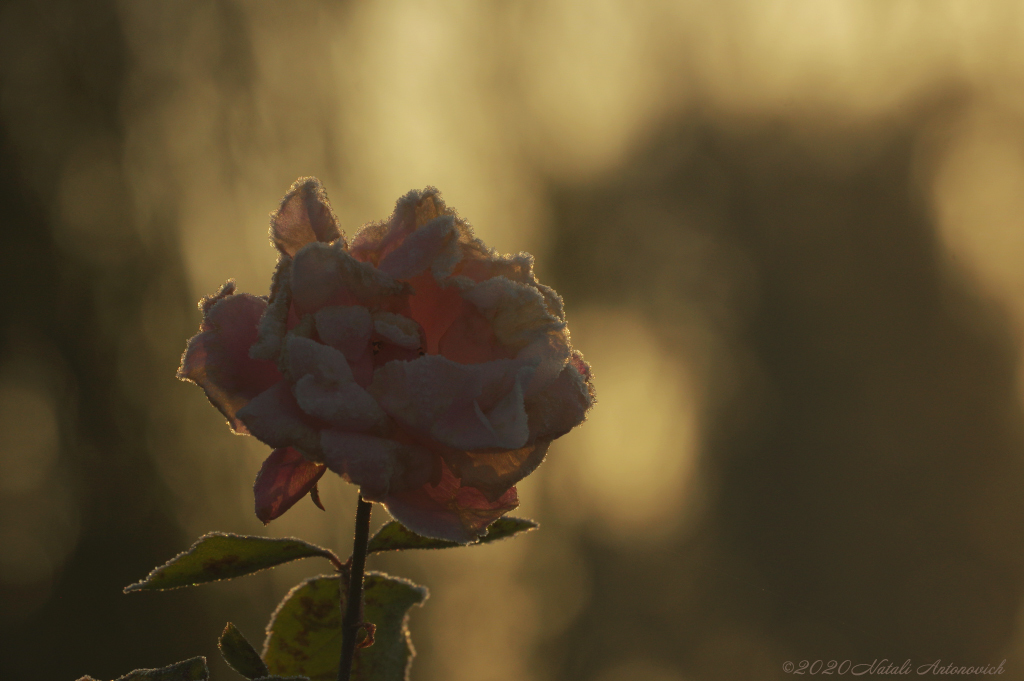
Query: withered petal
(285, 477)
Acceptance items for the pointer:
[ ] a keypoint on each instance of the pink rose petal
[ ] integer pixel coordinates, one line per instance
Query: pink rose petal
(517, 312)
(346, 406)
(364, 460)
(324, 276)
(434, 307)
(376, 241)
(362, 367)
(419, 250)
(396, 329)
(305, 216)
(493, 473)
(435, 396)
(394, 337)
(286, 477)
(563, 405)
(448, 510)
(502, 318)
(582, 367)
(274, 417)
(480, 267)
(466, 426)
(471, 340)
(217, 358)
(307, 357)
(346, 328)
(274, 322)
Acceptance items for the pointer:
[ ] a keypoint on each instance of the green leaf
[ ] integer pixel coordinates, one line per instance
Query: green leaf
(304, 634)
(217, 556)
(397, 537)
(189, 670)
(240, 655)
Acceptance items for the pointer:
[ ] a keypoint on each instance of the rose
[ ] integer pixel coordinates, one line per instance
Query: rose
(414, 362)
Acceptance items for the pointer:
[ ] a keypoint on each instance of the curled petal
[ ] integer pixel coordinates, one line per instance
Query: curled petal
(456, 403)
(449, 510)
(324, 276)
(286, 477)
(346, 328)
(217, 358)
(306, 357)
(346, 406)
(581, 366)
(394, 337)
(515, 321)
(479, 265)
(493, 473)
(418, 251)
(517, 312)
(465, 425)
(375, 241)
(274, 323)
(482, 264)
(274, 417)
(550, 351)
(385, 351)
(563, 405)
(397, 329)
(364, 460)
(305, 216)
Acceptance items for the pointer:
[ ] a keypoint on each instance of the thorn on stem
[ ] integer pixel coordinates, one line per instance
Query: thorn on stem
(314, 494)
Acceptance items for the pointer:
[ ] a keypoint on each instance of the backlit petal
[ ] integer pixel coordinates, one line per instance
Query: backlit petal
(217, 358)
(364, 460)
(286, 477)
(325, 275)
(449, 510)
(305, 216)
(435, 396)
(274, 417)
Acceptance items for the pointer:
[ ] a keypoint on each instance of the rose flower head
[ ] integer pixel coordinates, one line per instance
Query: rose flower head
(412, 361)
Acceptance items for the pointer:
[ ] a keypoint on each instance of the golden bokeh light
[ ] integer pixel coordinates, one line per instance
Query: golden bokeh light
(630, 467)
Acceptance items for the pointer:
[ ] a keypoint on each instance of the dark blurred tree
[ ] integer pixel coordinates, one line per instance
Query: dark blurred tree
(63, 67)
(863, 457)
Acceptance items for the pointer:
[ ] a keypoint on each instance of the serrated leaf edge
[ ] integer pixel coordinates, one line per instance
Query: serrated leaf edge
(529, 526)
(230, 628)
(419, 588)
(141, 584)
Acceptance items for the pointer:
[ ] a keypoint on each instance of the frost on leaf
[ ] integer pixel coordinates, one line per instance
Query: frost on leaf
(217, 556)
(240, 655)
(193, 669)
(396, 537)
(304, 634)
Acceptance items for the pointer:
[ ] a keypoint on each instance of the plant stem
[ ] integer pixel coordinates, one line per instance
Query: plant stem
(351, 621)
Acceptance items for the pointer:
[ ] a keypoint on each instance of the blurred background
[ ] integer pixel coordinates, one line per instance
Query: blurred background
(790, 237)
